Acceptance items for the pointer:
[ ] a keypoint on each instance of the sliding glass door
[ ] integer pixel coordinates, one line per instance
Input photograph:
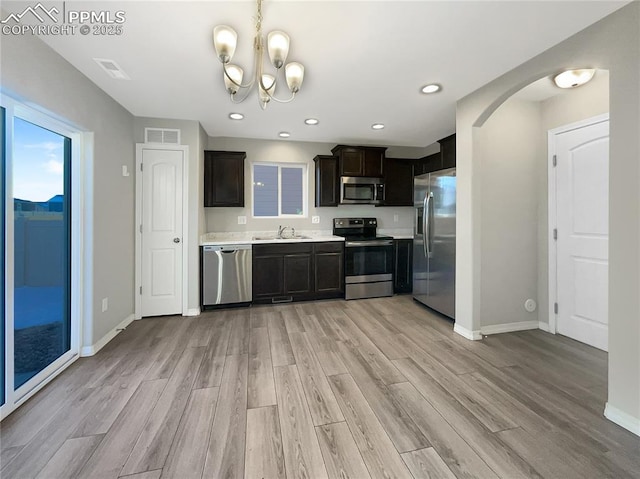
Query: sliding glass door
(41, 258)
(39, 330)
(2, 257)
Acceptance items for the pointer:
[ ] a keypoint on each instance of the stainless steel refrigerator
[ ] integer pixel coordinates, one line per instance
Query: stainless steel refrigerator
(434, 241)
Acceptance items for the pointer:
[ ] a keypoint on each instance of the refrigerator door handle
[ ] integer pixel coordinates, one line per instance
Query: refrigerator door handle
(432, 222)
(426, 225)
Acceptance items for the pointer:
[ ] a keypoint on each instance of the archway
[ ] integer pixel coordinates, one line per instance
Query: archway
(612, 44)
(513, 181)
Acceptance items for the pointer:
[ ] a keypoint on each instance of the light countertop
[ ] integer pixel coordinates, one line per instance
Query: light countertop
(263, 237)
(397, 233)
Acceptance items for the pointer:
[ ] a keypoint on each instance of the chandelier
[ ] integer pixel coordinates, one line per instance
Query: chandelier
(225, 40)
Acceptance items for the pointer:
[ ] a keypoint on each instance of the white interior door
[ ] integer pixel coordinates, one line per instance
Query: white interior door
(161, 232)
(582, 204)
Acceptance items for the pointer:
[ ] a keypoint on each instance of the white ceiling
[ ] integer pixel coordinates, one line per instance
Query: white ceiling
(365, 61)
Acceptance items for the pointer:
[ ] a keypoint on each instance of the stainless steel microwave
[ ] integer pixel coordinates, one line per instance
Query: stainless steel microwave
(361, 190)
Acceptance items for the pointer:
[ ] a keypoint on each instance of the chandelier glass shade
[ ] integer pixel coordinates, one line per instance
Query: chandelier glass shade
(225, 40)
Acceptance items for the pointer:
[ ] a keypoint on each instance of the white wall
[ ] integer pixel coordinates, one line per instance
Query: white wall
(191, 136)
(226, 219)
(203, 140)
(612, 44)
(36, 74)
(510, 148)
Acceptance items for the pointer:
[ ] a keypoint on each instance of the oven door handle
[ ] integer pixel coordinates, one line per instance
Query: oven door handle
(353, 244)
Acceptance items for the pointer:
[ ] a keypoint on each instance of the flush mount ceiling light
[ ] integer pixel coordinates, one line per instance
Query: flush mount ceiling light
(311, 121)
(377, 126)
(236, 116)
(573, 78)
(284, 134)
(431, 88)
(225, 40)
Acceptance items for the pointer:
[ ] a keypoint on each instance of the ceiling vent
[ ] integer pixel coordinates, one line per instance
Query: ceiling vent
(162, 135)
(112, 69)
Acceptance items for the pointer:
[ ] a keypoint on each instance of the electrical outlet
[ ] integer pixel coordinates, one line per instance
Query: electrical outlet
(395, 218)
(315, 220)
(242, 220)
(105, 304)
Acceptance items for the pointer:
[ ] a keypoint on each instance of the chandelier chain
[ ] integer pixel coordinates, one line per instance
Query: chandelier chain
(259, 16)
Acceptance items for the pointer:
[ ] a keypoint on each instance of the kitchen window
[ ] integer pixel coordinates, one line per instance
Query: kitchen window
(279, 190)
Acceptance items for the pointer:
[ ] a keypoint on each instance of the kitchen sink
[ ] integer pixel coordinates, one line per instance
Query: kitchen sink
(274, 238)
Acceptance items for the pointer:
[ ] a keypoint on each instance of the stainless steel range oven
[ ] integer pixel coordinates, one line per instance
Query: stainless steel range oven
(368, 258)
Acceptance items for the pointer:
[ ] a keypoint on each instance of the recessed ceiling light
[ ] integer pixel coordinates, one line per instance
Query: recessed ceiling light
(377, 126)
(236, 116)
(284, 134)
(573, 78)
(431, 88)
(311, 121)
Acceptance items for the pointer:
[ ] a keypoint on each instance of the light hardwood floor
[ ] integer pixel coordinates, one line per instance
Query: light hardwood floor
(377, 388)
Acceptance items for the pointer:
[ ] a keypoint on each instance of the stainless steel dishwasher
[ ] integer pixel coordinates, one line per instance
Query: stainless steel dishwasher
(226, 274)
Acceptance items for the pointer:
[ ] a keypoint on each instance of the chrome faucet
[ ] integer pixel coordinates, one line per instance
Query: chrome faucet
(281, 230)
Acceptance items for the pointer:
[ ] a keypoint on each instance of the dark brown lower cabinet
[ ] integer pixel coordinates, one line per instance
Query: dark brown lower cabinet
(403, 266)
(297, 274)
(297, 271)
(268, 277)
(328, 261)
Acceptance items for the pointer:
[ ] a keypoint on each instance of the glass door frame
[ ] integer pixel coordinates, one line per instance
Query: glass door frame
(13, 108)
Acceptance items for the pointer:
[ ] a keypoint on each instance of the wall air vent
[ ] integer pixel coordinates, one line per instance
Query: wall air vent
(112, 69)
(162, 135)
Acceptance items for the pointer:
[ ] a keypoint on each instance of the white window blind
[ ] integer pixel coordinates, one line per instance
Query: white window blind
(279, 190)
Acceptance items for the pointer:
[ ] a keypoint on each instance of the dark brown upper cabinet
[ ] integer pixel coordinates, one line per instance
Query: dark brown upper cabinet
(224, 178)
(448, 151)
(446, 158)
(427, 164)
(327, 185)
(360, 160)
(398, 182)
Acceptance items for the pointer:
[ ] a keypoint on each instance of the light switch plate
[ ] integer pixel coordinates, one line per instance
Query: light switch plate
(105, 304)
(315, 220)
(242, 220)
(395, 218)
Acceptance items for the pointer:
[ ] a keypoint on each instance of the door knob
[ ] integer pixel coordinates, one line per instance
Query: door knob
(176, 240)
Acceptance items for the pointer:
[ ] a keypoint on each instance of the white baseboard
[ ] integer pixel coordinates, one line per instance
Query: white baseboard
(193, 312)
(509, 327)
(467, 333)
(544, 326)
(622, 419)
(94, 348)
